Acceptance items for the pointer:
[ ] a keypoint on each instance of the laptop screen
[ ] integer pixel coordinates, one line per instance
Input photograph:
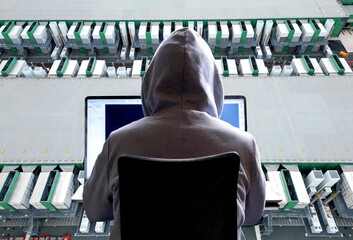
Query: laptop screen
(106, 114)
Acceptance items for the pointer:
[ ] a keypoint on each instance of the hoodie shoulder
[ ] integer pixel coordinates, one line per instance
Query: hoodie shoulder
(129, 128)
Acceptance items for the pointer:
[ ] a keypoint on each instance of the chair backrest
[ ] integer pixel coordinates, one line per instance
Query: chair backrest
(178, 199)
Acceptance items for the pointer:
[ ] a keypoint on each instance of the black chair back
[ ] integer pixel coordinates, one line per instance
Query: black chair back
(178, 199)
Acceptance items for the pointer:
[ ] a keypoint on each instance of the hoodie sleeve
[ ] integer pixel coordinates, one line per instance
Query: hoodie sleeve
(255, 198)
(97, 198)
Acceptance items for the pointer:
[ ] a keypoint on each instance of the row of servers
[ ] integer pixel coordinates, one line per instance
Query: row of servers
(129, 40)
(250, 66)
(51, 190)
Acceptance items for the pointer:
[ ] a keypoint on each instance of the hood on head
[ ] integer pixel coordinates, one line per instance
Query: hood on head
(182, 75)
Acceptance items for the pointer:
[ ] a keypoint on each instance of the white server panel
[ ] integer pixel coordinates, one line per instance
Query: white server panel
(19, 199)
(63, 191)
(38, 190)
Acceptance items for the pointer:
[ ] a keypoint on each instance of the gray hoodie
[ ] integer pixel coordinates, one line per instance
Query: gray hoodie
(182, 96)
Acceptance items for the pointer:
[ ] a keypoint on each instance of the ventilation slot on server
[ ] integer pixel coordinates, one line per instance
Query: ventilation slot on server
(148, 33)
(218, 27)
(291, 30)
(290, 25)
(62, 66)
(244, 33)
(90, 66)
(31, 31)
(243, 27)
(315, 25)
(337, 64)
(102, 30)
(143, 66)
(225, 66)
(253, 65)
(8, 26)
(5, 71)
(5, 32)
(78, 27)
(148, 28)
(7, 190)
(219, 33)
(308, 65)
(316, 29)
(103, 27)
(48, 191)
(290, 190)
(31, 28)
(77, 32)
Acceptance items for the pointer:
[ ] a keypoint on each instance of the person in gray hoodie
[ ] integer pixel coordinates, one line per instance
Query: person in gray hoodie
(182, 99)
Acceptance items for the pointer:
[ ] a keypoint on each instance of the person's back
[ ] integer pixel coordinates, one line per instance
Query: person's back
(182, 97)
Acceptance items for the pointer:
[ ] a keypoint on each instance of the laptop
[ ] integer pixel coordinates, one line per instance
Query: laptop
(106, 114)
